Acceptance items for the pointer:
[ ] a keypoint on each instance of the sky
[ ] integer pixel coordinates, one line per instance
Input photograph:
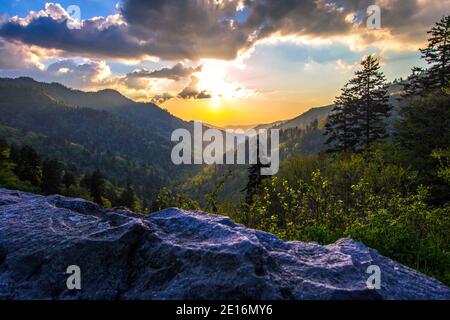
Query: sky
(223, 62)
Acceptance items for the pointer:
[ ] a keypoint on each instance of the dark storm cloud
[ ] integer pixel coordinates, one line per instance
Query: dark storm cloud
(49, 33)
(177, 72)
(194, 29)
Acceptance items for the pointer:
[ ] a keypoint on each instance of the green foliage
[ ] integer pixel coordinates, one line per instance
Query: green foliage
(363, 196)
(409, 231)
(128, 199)
(22, 168)
(8, 178)
(168, 199)
(423, 129)
(443, 157)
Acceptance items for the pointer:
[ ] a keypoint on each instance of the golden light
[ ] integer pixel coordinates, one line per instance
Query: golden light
(215, 103)
(212, 79)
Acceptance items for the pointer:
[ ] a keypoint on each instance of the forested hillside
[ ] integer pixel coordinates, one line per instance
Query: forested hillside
(128, 142)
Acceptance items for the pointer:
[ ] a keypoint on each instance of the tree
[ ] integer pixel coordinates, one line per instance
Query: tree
(51, 177)
(7, 177)
(29, 165)
(128, 198)
(358, 118)
(254, 177)
(372, 101)
(437, 54)
(69, 179)
(424, 127)
(342, 123)
(97, 187)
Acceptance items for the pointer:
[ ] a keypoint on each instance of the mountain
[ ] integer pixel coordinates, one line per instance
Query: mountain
(146, 115)
(301, 121)
(321, 113)
(100, 100)
(126, 140)
(123, 255)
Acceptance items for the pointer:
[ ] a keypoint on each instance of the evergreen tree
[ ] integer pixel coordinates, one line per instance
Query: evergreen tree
(51, 177)
(128, 198)
(29, 166)
(69, 179)
(437, 54)
(342, 123)
(423, 128)
(97, 186)
(7, 177)
(358, 118)
(254, 177)
(416, 84)
(372, 101)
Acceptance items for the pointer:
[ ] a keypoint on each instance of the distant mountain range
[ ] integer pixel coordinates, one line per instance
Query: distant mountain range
(301, 121)
(107, 130)
(126, 140)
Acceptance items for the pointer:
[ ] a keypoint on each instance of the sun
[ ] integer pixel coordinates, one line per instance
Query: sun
(213, 80)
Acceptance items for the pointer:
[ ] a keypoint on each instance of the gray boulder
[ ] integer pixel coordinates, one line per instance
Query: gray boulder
(176, 254)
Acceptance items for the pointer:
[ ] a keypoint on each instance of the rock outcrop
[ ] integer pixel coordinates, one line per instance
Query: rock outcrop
(175, 254)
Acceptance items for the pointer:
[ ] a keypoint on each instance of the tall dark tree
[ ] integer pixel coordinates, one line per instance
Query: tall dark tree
(416, 84)
(255, 177)
(128, 198)
(424, 126)
(69, 179)
(358, 118)
(372, 101)
(29, 165)
(7, 177)
(437, 54)
(97, 186)
(51, 177)
(342, 123)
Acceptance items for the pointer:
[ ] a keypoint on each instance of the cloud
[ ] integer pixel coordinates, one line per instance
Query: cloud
(161, 98)
(80, 75)
(179, 29)
(99, 36)
(15, 55)
(191, 91)
(177, 72)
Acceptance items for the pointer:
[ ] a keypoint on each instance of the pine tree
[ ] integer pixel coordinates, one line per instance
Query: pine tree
(128, 198)
(358, 118)
(97, 187)
(416, 84)
(69, 179)
(7, 177)
(372, 101)
(29, 166)
(51, 177)
(341, 127)
(437, 54)
(254, 177)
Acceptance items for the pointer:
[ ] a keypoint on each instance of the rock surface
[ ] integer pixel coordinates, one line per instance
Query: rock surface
(175, 254)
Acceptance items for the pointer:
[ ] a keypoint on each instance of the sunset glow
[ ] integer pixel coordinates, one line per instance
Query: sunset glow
(226, 73)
